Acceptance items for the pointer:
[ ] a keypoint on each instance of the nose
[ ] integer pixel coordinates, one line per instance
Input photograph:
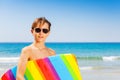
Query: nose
(41, 32)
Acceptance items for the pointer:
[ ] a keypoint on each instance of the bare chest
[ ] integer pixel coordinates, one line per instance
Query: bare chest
(38, 54)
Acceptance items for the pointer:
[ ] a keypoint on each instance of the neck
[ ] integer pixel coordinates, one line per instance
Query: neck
(39, 45)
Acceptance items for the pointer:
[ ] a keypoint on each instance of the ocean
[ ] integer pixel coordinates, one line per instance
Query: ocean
(96, 58)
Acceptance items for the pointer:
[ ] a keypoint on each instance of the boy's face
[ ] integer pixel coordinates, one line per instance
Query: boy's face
(40, 33)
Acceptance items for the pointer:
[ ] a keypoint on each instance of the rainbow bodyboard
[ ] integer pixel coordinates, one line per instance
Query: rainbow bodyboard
(58, 67)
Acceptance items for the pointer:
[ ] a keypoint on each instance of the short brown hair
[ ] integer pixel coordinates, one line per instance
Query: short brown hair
(40, 21)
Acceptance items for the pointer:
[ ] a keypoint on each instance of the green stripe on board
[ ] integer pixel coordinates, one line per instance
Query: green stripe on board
(28, 75)
(68, 67)
(72, 61)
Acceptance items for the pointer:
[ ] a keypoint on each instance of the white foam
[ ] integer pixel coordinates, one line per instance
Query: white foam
(1, 69)
(9, 59)
(110, 58)
(86, 68)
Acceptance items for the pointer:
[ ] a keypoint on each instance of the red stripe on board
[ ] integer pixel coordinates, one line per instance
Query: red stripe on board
(47, 69)
(6, 76)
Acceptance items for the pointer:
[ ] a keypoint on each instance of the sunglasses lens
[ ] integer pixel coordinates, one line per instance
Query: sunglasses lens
(45, 30)
(37, 30)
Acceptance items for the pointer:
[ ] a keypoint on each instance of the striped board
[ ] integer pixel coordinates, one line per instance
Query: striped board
(58, 67)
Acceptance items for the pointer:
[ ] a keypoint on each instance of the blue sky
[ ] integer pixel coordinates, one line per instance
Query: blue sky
(72, 20)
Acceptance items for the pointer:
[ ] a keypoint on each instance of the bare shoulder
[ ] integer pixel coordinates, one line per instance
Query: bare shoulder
(51, 51)
(25, 54)
(26, 51)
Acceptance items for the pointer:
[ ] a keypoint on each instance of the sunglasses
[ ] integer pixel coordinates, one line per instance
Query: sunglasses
(38, 30)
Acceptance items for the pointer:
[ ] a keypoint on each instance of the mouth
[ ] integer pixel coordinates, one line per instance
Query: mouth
(40, 36)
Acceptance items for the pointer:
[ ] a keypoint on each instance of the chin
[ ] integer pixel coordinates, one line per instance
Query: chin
(40, 40)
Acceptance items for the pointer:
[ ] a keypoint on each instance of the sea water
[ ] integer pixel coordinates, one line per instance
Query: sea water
(90, 56)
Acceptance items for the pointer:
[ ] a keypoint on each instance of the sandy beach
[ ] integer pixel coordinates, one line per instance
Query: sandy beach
(101, 74)
(5, 66)
(87, 73)
(95, 74)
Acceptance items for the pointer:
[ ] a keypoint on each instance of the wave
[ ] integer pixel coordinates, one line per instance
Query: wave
(91, 67)
(8, 59)
(86, 68)
(101, 58)
(111, 58)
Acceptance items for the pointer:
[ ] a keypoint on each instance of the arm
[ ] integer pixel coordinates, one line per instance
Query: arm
(22, 64)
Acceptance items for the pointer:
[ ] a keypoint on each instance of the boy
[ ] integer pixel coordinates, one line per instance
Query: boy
(40, 30)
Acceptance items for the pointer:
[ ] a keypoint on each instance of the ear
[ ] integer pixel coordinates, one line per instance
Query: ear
(32, 31)
(48, 33)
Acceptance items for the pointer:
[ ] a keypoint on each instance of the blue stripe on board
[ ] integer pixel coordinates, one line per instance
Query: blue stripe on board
(64, 75)
(14, 70)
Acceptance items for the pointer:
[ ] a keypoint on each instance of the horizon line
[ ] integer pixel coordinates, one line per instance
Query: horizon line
(64, 42)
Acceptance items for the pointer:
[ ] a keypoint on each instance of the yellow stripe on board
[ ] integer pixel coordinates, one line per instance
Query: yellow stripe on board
(38, 68)
(34, 71)
(72, 62)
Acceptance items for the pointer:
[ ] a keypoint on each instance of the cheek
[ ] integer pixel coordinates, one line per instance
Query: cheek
(34, 34)
(47, 34)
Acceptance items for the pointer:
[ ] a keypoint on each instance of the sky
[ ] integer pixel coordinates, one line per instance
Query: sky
(72, 20)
